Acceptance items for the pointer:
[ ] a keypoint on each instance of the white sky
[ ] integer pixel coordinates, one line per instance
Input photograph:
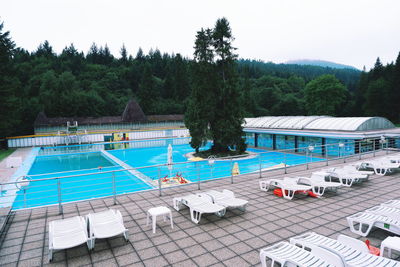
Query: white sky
(352, 32)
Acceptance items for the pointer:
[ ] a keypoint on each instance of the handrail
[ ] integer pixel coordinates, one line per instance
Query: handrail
(116, 178)
(175, 163)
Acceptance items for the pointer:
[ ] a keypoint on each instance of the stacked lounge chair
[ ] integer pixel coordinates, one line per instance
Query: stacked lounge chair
(347, 176)
(289, 186)
(352, 251)
(312, 249)
(383, 217)
(227, 199)
(210, 202)
(319, 183)
(381, 166)
(286, 254)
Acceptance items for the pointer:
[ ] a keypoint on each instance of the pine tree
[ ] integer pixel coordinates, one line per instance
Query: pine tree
(214, 109)
(395, 88)
(8, 85)
(124, 54)
(147, 92)
(93, 54)
(226, 127)
(201, 104)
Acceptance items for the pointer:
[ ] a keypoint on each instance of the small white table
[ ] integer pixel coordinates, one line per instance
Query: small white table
(159, 211)
(391, 242)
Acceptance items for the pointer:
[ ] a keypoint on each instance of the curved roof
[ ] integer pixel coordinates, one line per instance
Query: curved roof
(319, 123)
(350, 124)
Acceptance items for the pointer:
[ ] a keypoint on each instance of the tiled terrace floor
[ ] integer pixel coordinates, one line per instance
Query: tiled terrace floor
(234, 240)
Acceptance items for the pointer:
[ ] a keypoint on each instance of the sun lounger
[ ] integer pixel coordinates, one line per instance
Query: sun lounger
(394, 203)
(385, 211)
(346, 177)
(198, 205)
(286, 254)
(381, 166)
(67, 233)
(106, 224)
(227, 199)
(289, 186)
(352, 251)
(354, 168)
(361, 223)
(319, 183)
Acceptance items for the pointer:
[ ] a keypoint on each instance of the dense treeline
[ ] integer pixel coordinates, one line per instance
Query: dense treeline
(378, 93)
(98, 83)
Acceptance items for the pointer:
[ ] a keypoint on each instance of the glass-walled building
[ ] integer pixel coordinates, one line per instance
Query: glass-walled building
(328, 136)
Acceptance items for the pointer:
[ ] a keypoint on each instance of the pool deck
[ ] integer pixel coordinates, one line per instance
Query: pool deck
(234, 240)
(6, 173)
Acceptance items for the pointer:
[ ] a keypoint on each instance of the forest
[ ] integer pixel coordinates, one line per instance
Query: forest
(98, 83)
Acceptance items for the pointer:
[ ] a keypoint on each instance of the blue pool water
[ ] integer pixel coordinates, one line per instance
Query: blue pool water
(90, 183)
(89, 172)
(200, 170)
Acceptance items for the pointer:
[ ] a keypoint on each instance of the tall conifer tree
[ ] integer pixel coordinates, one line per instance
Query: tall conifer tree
(214, 109)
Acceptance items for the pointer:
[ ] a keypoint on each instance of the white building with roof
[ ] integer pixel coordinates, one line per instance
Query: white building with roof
(298, 132)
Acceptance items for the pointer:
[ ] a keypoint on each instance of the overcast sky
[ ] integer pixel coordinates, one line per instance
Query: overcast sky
(352, 32)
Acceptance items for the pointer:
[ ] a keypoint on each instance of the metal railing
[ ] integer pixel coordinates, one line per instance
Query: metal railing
(65, 187)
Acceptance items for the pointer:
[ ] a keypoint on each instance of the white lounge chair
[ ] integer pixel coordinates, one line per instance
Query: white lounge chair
(361, 223)
(67, 233)
(352, 251)
(286, 254)
(381, 166)
(385, 211)
(394, 203)
(319, 183)
(346, 177)
(289, 186)
(106, 224)
(198, 205)
(227, 199)
(354, 168)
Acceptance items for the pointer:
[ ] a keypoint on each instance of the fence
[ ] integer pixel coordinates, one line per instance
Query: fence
(111, 126)
(105, 182)
(91, 138)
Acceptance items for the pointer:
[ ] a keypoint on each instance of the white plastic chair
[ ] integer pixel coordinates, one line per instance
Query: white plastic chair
(319, 183)
(361, 223)
(67, 233)
(385, 211)
(198, 205)
(352, 252)
(289, 186)
(286, 254)
(394, 203)
(354, 168)
(106, 224)
(381, 166)
(345, 177)
(227, 199)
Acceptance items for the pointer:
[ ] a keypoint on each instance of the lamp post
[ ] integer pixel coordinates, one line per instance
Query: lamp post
(311, 149)
(341, 146)
(211, 162)
(382, 141)
(23, 183)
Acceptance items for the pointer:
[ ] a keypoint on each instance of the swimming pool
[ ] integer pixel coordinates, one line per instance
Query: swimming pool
(101, 170)
(80, 178)
(201, 170)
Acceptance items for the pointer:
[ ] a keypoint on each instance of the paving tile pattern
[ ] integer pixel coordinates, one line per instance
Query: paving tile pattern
(234, 240)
